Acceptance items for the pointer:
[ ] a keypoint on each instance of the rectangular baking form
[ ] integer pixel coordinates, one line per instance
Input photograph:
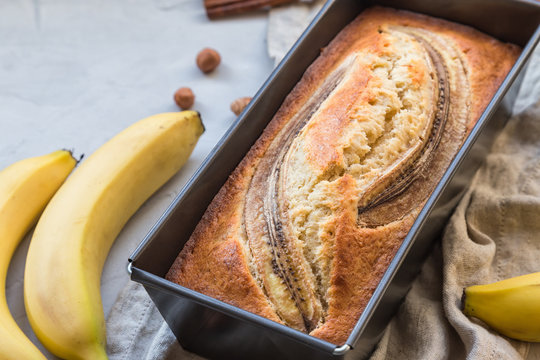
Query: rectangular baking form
(214, 329)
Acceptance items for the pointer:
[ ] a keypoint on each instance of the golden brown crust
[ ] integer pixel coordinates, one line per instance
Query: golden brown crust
(217, 260)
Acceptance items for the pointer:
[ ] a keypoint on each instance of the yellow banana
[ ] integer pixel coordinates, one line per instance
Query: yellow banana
(25, 189)
(73, 237)
(511, 306)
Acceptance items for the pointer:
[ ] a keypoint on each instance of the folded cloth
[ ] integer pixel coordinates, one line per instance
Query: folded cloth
(491, 236)
(286, 24)
(136, 330)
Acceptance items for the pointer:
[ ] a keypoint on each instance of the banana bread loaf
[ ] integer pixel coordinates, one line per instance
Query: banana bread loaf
(305, 227)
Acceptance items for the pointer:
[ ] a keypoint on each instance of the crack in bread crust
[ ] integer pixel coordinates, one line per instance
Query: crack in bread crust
(414, 163)
(451, 118)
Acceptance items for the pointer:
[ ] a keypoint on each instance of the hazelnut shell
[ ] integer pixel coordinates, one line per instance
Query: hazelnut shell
(238, 105)
(208, 59)
(184, 98)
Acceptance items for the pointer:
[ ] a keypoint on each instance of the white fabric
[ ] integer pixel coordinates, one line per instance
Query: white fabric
(286, 24)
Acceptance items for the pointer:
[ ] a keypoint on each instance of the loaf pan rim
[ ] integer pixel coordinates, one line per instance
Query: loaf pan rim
(516, 69)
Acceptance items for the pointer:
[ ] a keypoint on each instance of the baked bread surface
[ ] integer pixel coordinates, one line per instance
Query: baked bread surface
(307, 224)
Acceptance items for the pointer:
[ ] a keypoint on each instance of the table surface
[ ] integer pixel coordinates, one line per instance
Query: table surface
(74, 74)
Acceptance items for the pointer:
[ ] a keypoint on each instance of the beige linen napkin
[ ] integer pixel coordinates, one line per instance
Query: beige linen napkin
(492, 235)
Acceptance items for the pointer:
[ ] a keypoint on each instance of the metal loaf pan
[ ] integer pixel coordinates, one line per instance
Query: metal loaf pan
(214, 329)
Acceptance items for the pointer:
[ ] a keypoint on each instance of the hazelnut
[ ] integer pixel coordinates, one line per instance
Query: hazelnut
(208, 59)
(239, 104)
(184, 98)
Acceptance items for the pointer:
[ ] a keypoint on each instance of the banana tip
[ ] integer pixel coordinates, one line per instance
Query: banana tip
(202, 124)
(462, 302)
(71, 151)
